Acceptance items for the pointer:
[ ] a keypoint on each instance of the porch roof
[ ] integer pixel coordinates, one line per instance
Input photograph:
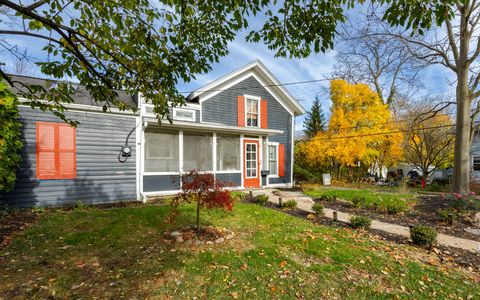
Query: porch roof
(213, 127)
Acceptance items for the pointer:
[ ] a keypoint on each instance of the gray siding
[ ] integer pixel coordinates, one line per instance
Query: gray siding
(222, 108)
(160, 183)
(100, 177)
(233, 178)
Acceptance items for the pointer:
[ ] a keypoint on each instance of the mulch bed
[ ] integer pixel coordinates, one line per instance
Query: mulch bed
(466, 259)
(425, 212)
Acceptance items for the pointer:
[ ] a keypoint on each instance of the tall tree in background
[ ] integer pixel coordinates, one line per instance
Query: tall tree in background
(456, 46)
(365, 56)
(360, 130)
(429, 140)
(315, 121)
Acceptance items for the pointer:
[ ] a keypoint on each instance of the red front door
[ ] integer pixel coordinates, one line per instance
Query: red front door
(251, 163)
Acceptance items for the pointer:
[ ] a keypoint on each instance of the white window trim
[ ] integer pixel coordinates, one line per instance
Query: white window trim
(258, 99)
(276, 144)
(178, 118)
(256, 165)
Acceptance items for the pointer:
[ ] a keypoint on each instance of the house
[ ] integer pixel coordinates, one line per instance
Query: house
(239, 127)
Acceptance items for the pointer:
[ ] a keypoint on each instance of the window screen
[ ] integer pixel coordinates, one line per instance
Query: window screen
(197, 152)
(161, 151)
(228, 153)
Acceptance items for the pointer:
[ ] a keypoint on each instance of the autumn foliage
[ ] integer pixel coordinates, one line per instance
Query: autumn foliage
(361, 131)
(205, 191)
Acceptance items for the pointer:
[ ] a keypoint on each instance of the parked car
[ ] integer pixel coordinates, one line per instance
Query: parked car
(414, 178)
(440, 176)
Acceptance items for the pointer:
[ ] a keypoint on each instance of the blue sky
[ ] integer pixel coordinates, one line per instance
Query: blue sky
(435, 79)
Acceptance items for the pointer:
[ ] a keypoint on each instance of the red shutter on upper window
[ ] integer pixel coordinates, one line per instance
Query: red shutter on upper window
(263, 113)
(56, 151)
(281, 160)
(241, 111)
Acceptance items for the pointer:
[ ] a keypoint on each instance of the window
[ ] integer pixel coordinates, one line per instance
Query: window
(476, 163)
(56, 151)
(161, 151)
(228, 153)
(252, 112)
(197, 152)
(273, 159)
(183, 114)
(251, 161)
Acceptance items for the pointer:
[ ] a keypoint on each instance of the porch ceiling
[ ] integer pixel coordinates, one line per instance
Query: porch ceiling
(214, 127)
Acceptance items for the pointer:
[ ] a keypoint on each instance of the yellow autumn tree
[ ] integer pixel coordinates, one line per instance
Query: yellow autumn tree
(361, 130)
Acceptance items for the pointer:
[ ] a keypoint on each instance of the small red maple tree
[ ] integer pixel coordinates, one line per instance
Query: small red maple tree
(204, 190)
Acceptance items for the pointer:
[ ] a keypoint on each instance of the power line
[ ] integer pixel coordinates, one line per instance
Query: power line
(382, 133)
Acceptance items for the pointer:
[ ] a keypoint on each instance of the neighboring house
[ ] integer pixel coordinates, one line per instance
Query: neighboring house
(240, 127)
(475, 158)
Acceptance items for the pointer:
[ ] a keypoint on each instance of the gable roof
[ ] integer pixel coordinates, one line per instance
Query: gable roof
(81, 96)
(260, 72)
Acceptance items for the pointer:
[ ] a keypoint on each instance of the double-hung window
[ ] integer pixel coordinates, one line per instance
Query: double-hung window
(273, 159)
(476, 163)
(252, 112)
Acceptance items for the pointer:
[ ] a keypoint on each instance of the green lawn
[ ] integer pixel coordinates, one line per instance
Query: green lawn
(370, 196)
(114, 253)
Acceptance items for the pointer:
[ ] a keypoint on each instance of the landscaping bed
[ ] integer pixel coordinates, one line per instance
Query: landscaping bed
(439, 254)
(425, 211)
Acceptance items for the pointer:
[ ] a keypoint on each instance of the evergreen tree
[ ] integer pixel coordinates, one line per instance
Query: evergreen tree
(314, 120)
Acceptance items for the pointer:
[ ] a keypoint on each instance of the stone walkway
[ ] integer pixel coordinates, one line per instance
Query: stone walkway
(305, 203)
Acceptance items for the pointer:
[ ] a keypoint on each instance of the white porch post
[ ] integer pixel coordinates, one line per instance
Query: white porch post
(180, 155)
(214, 155)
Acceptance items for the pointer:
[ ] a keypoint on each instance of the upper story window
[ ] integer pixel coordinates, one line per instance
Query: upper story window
(183, 114)
(252, 112)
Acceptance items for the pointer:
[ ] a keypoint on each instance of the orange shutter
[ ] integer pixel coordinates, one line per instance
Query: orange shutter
(67, 168)
(45, 150)
(263, 113)
(56, 151)
(281, 160)
(241, 111)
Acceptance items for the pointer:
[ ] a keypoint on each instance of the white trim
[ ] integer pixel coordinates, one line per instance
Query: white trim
(180, 152)
(142, 157)
(253, 67)
(138, 133)
(214, 154)
(292, 150)
(176, 110)
(216, 127)
(242, 160)
(276, 144)
(279, 185)
(89, 108)
(256, 160)
(162, 193)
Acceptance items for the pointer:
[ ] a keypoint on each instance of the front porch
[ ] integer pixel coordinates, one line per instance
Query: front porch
(245, 158)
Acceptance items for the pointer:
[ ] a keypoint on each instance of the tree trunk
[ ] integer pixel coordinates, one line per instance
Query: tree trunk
(461, 166)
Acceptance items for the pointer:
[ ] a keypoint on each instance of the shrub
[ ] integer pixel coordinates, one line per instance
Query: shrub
(203, 190)
(301, 174)
(290, 204)
(360, 222)
(358, 202)
(10, 142)
(318, 208)
(423, 236)
(464, 203)
(443, 214)
(327, 198)
(261, 199)
(394, 208)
